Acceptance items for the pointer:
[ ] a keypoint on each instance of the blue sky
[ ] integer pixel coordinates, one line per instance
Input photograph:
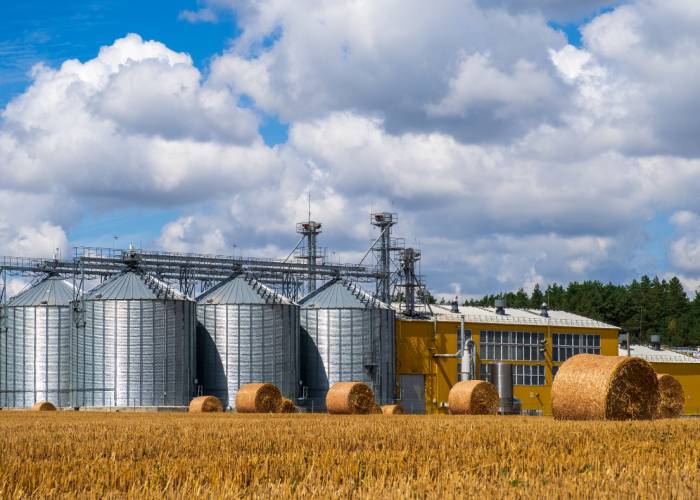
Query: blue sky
(462, 118)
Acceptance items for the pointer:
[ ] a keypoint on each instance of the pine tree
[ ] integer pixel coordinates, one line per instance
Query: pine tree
(537, 298)
(521, 300)
(676, 299)
(642, 308)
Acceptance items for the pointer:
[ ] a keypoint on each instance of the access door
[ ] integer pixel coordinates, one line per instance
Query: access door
(413, 393)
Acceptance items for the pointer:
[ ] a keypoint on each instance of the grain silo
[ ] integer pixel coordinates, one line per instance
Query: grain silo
(246, 333)
(346, 336)
(35, 348)
(136, 346)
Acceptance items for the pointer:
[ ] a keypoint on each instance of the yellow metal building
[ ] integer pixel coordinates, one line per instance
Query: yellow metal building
(685, 368)
(518, 337)
(424, 381)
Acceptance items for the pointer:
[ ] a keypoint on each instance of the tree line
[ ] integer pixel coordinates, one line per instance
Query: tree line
(643, 308)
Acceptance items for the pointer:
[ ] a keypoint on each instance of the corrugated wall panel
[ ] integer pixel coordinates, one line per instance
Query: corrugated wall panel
(35, 354)
(246, 343)
(348, 345)
(135, 353)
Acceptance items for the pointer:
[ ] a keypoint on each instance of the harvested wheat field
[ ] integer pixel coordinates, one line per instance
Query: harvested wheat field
(225, 455)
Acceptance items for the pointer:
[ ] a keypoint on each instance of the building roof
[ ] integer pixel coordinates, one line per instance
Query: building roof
(340, 294)
(663, 356)
(133, 285)
(53, 291)
(473, 314)
(241, 289)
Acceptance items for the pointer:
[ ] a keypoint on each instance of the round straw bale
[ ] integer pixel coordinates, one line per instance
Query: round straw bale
(350, 398)
(287, 406)
(672, 397)
(206, 404)
(258, 398)
(474, 397)
(393, 410)
(594, 387)
(376, 409)
(44, 406)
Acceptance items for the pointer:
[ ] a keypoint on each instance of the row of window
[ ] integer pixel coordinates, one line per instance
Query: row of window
(561, 354)
(531, 338)
(511, 353)
(522, 374)
(499, 345)
(575, 340)
(518, 338)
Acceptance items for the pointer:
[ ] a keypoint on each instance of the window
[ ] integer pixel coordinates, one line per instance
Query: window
(529, 375)
(555, 369)
(510, 346)
(459, 372)
(485, 372)
(566, 345)
(462, 339)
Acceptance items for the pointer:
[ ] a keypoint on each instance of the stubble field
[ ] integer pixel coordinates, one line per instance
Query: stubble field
(132, 455)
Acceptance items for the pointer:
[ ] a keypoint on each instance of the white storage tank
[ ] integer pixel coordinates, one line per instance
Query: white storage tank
(246, 333)
(35, 348)
(137, 344)
(346, 336)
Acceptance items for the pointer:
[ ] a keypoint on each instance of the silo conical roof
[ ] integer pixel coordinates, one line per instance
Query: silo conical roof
(242, 289)
(133, 285)
(52, 291)
(340, 294)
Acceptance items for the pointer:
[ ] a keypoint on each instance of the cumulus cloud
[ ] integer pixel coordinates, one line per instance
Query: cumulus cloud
(30, 224)
(477, 82)
(136, 123)
(685, 251)
(193, 235)
(395, 59)
(511, 157)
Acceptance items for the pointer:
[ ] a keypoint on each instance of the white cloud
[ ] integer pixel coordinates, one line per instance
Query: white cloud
(685, 218)
(391, 59)
(30, 224)
(34, 241)
(685, 251)
(477, 82)
(515, 158)
(198, 16)
(614, 33)
(136, 123)
(194, 235)
(570, 61)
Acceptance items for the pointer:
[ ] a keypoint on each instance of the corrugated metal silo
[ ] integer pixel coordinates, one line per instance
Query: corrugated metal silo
(137, 344)
(346, 336)
(246, 333)
(35, 349)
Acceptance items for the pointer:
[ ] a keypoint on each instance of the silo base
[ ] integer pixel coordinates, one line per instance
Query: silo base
(178, 409)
